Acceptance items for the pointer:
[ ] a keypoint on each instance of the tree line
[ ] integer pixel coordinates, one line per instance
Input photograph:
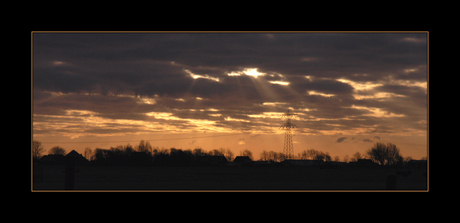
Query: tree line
(383, 154)
(380, 153)
(310, 154)
(121, 153)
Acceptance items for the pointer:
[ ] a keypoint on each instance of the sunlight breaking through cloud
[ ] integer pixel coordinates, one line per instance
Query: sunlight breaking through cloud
(247, 71)
(280, 82)
(358, 86)
(378, 96)
(320, 94)
(196, 76)
(377, 112)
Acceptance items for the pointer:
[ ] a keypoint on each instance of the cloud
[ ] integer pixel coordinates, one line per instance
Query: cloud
(336, 83)
(376, 138)
(341, 139)
(241, 141)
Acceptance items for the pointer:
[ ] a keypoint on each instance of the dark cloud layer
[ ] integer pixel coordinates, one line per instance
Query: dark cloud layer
(126, 75)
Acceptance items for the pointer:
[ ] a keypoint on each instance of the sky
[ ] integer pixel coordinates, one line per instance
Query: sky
(230, 90)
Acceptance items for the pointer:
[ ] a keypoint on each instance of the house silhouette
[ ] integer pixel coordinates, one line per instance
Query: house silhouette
(59, 159)
(52, 159)
(242, 160)
(76, 157)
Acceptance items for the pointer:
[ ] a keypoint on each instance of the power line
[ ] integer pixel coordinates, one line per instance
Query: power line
(150, 140)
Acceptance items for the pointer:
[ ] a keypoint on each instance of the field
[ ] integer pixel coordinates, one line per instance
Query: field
(225, 178)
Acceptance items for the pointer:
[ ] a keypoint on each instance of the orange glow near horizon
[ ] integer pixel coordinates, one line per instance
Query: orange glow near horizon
(208, 135)
(256, 143)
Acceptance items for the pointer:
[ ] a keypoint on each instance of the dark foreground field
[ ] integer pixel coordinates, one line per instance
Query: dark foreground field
(225, 178)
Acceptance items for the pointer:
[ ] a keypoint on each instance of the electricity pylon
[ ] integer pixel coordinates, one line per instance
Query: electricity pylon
(288, 149)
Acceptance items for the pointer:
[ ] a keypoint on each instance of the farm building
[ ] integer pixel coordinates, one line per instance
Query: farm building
(52, 159)
(58, 159)
(242, 161)
(77, 157)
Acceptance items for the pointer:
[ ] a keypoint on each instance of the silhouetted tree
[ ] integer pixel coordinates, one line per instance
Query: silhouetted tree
(264, 156)
(315, 155)
(356, 157)
(105, 155)
(98, 154)
(215, 152)
(273, 156)
(144, 147)
(198, 151)
(308, 154)
(57, 151)
(385, 154)
(129, 149)
(37, 149)
(88, 153)
(322, 156)
(302, 155)
(312, 153)
(346, 158)
(246, 153)
(229, 155)
(164, 151)
(279, 157)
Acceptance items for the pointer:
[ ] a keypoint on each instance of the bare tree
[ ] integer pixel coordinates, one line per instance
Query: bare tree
(222, 150)
(37, 149)
(229, 155)
(246, 152)
(385, 154)
(57, 151)
(144, 147)
(88, 153)
(311, 153)
(356, 157)
(279, 157)
(264, 156)
(346, 158)
(308, 154)
(323, 156)
(215, 152)
(148, 147)
(198, 151)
